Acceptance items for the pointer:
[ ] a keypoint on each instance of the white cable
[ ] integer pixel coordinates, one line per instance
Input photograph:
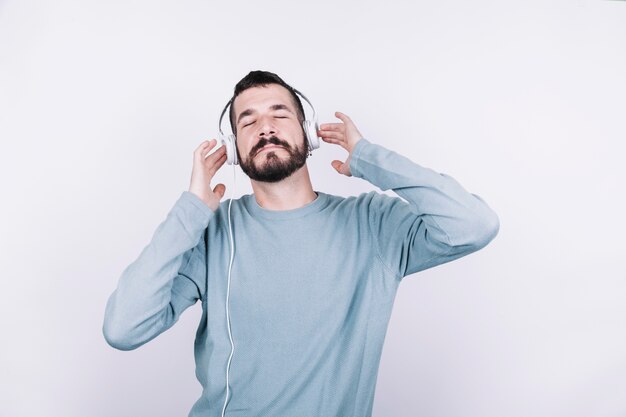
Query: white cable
(232, 254)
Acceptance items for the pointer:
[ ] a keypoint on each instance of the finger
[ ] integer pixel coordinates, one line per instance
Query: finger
(343, 117)
(211, 169)
(209, 148)
(332, 126)
(350, 126)
(219, 189)
(204, 147)
(341, 143)
(215, 166)
(203, 144)
(334, 141)
(210, 158)
(333, 135)
(207, 144)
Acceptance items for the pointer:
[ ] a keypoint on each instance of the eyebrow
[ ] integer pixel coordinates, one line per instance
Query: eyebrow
(274, 107)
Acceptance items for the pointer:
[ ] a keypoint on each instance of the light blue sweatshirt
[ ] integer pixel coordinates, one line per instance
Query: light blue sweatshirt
(312, 288)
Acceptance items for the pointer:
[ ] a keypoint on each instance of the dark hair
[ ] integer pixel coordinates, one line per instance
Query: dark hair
(262, 79)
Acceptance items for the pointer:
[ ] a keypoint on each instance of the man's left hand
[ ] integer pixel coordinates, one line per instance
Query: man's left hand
(344, 134)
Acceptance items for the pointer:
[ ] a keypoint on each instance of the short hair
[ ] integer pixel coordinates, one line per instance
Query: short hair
(262, 79)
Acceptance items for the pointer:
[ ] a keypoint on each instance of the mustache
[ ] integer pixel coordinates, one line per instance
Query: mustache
(271, 140)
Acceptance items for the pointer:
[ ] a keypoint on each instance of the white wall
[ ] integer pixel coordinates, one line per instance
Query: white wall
(524, 103)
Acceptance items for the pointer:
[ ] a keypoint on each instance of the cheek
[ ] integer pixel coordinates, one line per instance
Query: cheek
(243, 144)
(296, 131)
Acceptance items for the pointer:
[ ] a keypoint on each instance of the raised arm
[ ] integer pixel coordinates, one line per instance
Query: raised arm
(170, 273)
(439, 222)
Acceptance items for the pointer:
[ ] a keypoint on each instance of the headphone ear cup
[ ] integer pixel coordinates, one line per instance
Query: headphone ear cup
(231, 150)
(310, 130)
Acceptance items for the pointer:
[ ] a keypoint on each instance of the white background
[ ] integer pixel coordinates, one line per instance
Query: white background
(524, 103)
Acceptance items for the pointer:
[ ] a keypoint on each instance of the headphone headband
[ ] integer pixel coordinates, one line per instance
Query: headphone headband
(222, 116)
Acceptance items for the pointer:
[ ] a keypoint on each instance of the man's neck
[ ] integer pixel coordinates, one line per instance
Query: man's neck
(291, 193)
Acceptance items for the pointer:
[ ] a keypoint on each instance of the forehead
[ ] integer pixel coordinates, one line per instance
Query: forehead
(259, 98)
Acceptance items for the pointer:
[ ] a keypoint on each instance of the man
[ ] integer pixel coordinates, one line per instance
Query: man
(314, 275)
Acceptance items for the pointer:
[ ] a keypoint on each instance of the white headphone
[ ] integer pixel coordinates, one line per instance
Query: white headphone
(309, 126)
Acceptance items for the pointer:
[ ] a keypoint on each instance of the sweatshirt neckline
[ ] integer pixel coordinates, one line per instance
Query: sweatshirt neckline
(314, 206)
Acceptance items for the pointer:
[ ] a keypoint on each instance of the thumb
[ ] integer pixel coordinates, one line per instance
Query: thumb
(337, 165)
(220, 189)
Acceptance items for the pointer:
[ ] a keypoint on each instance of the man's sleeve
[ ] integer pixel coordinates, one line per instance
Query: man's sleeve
(168, 277)
(441, 221)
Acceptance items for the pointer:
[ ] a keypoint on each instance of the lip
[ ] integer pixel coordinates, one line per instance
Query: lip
(268, 147)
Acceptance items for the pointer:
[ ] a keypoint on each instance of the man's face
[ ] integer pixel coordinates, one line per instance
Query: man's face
(270, 141)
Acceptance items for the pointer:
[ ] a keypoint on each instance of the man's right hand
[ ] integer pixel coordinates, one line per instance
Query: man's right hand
(204, 167)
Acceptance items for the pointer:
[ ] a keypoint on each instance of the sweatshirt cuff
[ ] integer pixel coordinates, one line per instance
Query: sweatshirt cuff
(356, 155)
(192, 204)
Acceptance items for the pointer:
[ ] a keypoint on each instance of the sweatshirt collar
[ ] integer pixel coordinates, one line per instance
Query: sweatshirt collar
(313, 207)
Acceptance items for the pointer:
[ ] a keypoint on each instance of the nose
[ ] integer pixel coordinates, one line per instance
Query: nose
(266, 127)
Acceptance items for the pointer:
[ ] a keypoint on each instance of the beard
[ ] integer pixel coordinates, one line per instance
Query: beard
(270, 167)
